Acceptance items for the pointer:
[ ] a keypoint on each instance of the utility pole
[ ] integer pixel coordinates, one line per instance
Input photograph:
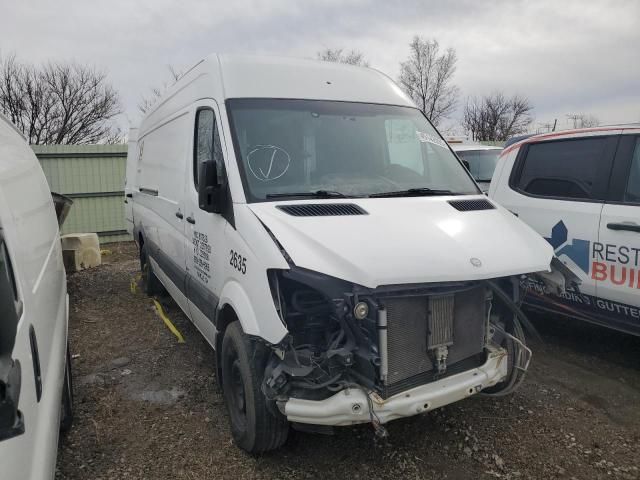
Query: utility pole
(547, 127)
(574, 117)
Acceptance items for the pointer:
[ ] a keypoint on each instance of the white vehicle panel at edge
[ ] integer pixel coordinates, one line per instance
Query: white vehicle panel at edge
(30, 234)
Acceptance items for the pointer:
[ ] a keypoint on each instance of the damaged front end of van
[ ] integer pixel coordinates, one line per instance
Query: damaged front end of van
(356, 354)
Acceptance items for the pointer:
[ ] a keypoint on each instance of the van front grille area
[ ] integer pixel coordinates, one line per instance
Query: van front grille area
(417, 326)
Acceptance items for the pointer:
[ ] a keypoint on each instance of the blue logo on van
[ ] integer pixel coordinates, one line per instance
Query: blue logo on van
(577, 250)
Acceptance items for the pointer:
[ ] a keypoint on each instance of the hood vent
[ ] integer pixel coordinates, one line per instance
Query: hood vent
(470, 205)
(322, 209)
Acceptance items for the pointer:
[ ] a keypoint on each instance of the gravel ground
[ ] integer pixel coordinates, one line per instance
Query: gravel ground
(148, 407)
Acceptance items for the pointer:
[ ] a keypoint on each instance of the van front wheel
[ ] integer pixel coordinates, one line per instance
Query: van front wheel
(255, 428)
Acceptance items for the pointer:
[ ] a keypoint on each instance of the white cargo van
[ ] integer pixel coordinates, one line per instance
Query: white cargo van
(580, 189)
(322, 236)
(35, 377)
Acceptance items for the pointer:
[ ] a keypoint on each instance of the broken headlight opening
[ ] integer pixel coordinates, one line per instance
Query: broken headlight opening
(389, 339)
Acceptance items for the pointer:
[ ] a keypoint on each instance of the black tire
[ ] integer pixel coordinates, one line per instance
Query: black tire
(66, 415)
(255, 427)
(150, 283)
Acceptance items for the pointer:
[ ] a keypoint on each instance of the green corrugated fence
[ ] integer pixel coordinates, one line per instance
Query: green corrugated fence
(93, 177)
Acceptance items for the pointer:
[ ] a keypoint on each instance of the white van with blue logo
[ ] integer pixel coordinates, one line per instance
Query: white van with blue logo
(580, 189)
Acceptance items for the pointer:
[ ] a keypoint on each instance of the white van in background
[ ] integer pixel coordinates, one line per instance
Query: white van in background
(324, 239)
(580, 189)
(35, 377)
(481, 161)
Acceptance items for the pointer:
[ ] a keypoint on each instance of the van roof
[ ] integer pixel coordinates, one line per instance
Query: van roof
(251, 76)
(280, 77)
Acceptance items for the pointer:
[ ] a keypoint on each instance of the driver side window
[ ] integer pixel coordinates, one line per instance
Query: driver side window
(206, 144)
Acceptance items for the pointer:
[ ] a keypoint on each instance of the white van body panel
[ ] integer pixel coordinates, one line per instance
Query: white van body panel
(30, 229)
(382, 248)
(250, 292)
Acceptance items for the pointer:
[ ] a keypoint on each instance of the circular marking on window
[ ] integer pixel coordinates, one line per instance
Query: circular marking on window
(268, 162)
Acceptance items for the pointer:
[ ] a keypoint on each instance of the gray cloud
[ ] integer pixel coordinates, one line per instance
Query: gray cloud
(570, 56)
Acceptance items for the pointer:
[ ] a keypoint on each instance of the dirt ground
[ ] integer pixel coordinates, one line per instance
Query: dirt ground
(148, 407)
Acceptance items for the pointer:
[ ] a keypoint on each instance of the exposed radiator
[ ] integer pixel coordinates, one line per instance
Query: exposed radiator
(440, 319)
(419, 325)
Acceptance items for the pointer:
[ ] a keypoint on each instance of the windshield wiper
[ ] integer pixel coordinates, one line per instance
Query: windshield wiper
(316, 194)
(413, 192)
(483, 179)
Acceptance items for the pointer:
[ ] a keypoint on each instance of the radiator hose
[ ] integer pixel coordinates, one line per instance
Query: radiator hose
(517, 349)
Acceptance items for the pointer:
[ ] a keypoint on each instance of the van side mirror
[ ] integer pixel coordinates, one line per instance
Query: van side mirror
(210, 192)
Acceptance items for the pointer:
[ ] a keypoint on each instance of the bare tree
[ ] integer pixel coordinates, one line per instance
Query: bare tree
(582, 120)
(427, 77)
(496, 117)
(59, 103)
(155, 93)
(352, 57)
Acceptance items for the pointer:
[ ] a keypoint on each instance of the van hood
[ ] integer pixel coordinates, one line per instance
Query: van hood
(408, 240)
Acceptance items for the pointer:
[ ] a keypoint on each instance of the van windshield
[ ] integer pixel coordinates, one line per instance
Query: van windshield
(327, 148)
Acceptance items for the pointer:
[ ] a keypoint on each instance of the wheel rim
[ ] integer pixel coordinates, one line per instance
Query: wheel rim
(236, 396)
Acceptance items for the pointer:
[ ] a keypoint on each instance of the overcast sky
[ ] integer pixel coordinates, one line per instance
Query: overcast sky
(566, 56)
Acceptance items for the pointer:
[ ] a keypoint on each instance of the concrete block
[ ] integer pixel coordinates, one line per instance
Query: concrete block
(80, 251)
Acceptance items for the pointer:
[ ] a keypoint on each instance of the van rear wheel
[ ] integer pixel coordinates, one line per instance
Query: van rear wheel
(151, 284)
(255, 427)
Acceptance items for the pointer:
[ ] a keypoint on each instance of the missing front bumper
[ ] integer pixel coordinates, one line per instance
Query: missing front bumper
(350, 406)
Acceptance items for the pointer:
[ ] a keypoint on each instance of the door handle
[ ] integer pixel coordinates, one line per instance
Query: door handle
(191, 220)
(129, 195)
(629, 227)
(149, 191)
(179, 215)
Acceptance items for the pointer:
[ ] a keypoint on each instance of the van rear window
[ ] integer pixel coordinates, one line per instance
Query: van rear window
(562, 169)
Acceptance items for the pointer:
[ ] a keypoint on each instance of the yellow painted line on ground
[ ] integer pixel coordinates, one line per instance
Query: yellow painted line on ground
(134, 283)
(167, 322)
